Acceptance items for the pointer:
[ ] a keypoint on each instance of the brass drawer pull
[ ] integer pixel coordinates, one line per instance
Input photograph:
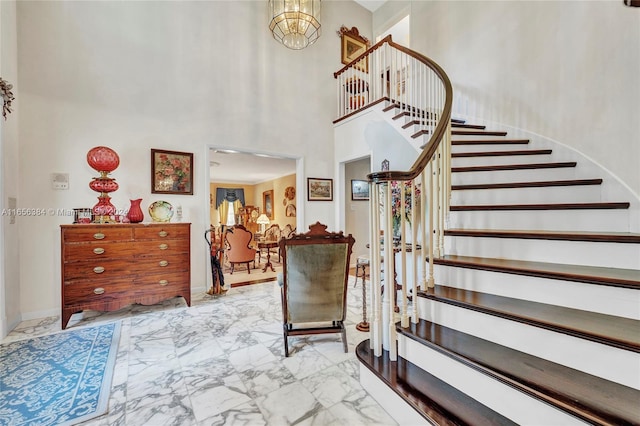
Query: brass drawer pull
(98, 269)
(163, 282)
(99, 290)
(163, 263)
(98, 250)
(163, 233)
(98, 236)
(163, 246)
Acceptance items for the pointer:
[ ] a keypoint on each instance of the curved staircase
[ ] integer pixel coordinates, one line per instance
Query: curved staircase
(523, 305)
(535, 315)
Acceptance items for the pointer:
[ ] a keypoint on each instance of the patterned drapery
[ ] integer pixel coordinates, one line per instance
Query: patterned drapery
(230, 195)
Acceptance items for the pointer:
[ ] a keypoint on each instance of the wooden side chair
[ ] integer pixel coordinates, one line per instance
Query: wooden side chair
(238, 239)
(314, 283)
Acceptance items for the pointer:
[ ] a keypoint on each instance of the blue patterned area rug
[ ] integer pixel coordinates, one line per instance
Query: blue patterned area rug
(58, 379)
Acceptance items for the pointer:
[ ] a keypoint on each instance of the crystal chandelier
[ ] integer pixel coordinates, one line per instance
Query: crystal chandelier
(295, 23)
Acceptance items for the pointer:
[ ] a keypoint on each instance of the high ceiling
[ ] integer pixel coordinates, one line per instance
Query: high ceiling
(247, 168)
(370, 4)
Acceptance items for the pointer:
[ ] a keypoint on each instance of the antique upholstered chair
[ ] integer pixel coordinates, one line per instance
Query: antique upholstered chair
(288, 231)
(314, 283)
(238, 250)
(272, 233)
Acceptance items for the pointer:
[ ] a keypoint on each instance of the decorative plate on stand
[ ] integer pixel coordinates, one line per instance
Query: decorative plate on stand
(161, 211)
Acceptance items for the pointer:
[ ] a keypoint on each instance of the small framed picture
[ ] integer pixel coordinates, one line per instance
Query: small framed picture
(354, 45)
(267, 203)
(171, 172)
(319, 189)
(359, 190)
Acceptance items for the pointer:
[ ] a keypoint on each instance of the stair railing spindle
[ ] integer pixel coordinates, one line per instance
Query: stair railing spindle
(404, 319)
(389, 341)
(375, 272)
(432, 207)
(414, 249)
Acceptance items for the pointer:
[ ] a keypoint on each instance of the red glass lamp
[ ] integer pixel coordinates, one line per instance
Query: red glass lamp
(104, 160)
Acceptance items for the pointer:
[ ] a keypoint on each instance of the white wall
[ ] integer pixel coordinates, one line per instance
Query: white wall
(357, 212)
(565, 70)
(9, 251)
(173, 75)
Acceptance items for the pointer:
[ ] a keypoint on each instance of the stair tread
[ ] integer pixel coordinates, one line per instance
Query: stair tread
(467, 126)
(601, 328)
(551, 206)
(430, 396)
(607, 237)
(627, 278)
(501, 153)
(504, 185)
(526, 166)
(584, 395)
(478, 132)
(489, 141)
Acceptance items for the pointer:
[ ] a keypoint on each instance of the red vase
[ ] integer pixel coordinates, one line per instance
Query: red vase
(135, 214)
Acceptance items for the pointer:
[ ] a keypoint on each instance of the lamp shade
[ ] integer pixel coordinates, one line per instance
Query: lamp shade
(295, 23)
(103, 159)
(262, 219)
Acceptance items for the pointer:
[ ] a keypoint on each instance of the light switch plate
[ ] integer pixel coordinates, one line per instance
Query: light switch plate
(60, 180)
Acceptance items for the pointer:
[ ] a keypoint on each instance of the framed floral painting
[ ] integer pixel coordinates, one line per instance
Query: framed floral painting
(171, 172)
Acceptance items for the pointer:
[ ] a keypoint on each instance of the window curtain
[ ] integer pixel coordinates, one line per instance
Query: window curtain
(230, 195)
(223, 210)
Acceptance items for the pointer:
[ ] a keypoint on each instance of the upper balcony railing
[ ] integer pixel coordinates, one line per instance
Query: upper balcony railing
(411, 206)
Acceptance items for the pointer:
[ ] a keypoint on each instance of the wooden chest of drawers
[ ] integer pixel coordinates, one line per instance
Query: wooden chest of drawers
(107, 267)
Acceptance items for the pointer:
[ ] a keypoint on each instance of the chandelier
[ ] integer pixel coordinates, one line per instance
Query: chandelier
(295, 23)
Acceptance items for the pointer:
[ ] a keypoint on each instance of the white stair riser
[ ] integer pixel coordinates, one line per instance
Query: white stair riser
(612, 255)
(499, 160)
(499, 397)
(538, 195)
(622, 366)
(622, 302)
(527, 175)
(606, 220)
(395, 406)
(490, 147)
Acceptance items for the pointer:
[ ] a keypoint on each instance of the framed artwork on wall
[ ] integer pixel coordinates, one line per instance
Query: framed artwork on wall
(319, 189)
(359, 190)
(267, 203)
(353, 45)
(171, 172)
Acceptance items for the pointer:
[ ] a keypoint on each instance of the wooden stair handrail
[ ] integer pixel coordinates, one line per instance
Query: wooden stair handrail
(432, 145)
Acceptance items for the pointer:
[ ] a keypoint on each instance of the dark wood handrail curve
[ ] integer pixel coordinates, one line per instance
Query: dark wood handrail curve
(440, 130)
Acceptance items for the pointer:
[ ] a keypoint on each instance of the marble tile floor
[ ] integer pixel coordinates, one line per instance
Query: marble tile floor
(221, 362)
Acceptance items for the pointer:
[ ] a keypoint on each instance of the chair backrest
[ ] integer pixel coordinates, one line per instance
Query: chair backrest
(315, 274)
(288, 231)
(273, 233)
(238, 239)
